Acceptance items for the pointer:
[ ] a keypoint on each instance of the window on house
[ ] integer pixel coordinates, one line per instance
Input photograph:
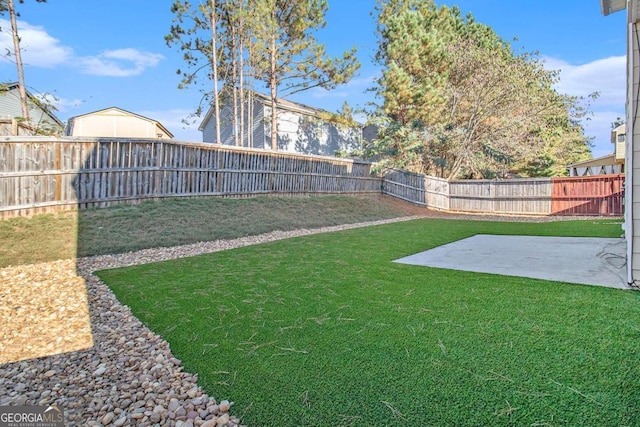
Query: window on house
(621, 137)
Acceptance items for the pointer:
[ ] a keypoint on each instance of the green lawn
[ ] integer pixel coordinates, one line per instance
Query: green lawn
(172, 222)
(325, 330)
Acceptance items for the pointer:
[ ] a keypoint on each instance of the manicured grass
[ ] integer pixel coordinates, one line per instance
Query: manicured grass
(325, 330)
(174, 222)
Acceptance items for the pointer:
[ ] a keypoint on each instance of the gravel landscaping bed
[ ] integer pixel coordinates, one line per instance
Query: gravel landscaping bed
(65, 340)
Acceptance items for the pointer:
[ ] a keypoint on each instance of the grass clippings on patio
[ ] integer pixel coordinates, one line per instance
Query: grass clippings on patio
(326, 330)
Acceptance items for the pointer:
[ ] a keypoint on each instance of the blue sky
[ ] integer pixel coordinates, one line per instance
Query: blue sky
(93, 55)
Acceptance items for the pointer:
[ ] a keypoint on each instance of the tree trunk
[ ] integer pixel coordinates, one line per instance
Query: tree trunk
(234, 82)
(214, 60)
(249, 97)
(273, 82)
(241, 66)
(236, 133)
(16, 50)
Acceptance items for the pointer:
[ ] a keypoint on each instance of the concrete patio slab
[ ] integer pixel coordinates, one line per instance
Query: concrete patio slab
(584, 260)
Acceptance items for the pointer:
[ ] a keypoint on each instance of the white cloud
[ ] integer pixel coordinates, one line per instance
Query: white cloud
(62, 104)
(606, 76)
(39, 49)
(119, 62)
(599, 127)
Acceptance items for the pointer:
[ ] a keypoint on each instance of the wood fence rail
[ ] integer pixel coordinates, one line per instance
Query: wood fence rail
(593, 195)
(40, 175)
(588, 195)
(46, 174)
(404, 185)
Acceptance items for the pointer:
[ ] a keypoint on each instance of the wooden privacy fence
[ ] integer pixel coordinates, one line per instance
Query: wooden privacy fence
(514, 196)
(593, 195)
(588, 195)
(48, 174)
(404, 185)
(45, 175)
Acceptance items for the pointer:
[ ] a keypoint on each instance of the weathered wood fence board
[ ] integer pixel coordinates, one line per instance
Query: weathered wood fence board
(590, 195)
(405, 185)
(593, 195)
(438, 193)
(45, 175)
(516, 196)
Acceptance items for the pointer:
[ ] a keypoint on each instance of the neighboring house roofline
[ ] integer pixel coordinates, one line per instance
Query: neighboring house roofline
(612, 6)
(206, 119)
(594, 161)
(620, 130)
(282, 103)
(157, 123)
(15, 85)
(296, 107)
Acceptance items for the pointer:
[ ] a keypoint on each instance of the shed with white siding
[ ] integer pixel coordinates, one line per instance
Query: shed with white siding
(116, 122)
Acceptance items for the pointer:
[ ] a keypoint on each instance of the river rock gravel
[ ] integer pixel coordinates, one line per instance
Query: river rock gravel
(65, 340)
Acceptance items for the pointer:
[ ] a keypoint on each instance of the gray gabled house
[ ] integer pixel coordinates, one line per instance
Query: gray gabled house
(41, 119)
(301, 128)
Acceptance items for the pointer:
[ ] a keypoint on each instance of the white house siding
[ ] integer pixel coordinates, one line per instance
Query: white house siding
(254, 140)
(10, 104)
(113, 126)
(209, 131)
(632, 210)
(349, 138)
(300, 134)
(117, 123)
(308, 134)
(226, 126)
(297, 132)
(259, 133)
(620, 149)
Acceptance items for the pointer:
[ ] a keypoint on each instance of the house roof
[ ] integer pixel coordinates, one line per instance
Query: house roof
(611, 6)
(5, 87)
(609, 159)
(620, 130)
(282, 104)
(292, 106)
(157, 123)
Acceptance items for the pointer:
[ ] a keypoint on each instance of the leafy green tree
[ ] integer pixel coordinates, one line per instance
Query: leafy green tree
(460, 103)
(9, 6)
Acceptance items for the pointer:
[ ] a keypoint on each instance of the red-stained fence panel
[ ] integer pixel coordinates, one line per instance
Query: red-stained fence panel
(588, 195)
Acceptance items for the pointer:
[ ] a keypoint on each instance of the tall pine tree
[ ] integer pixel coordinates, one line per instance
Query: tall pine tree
(268, 42)
(292, 59)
